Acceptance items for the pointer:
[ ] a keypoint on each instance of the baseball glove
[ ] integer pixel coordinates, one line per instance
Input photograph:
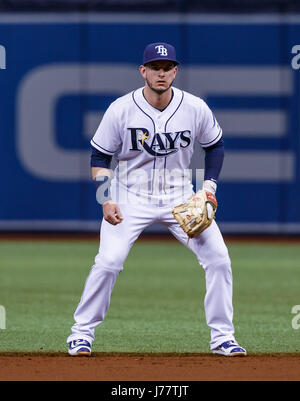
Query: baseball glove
(193, 216)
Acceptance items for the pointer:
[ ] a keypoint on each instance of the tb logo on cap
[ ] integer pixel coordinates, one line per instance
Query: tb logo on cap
(161, 50)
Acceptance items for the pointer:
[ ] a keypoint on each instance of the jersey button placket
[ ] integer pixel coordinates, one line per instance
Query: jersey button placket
(160, 162)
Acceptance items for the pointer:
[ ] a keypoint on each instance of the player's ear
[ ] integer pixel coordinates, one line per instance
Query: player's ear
(143, 71)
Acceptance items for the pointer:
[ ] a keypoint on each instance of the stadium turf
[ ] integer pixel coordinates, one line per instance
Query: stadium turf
(157, 303)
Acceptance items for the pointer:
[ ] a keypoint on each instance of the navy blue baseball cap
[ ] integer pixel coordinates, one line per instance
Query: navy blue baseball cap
(159, 51)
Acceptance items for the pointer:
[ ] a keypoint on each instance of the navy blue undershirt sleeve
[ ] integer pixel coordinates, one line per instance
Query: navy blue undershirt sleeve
(99, 159)
(214, 156)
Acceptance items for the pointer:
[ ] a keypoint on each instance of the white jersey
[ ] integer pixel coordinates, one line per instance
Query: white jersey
(154, 148)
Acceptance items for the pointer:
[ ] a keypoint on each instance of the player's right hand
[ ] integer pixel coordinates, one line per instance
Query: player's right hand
(112, 213)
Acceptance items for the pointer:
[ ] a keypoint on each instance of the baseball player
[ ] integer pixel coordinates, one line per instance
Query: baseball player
(151, 132)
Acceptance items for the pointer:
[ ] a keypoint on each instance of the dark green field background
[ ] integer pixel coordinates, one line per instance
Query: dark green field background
(157, 303)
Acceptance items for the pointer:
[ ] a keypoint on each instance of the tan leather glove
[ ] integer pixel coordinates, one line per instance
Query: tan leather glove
(193, 216)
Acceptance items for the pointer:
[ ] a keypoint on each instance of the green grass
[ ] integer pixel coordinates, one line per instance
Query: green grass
(157, 303)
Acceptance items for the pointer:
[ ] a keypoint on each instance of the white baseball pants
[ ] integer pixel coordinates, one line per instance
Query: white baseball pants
(115, 244)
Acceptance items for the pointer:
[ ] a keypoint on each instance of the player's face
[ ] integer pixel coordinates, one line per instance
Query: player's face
(159, 75)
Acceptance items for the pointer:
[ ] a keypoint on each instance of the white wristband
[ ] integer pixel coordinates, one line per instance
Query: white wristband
(209, 186)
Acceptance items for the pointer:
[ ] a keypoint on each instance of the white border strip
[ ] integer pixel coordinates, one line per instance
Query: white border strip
(145, 18)
(94, 226)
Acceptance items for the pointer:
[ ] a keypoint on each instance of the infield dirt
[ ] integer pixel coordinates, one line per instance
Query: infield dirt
(122, 367)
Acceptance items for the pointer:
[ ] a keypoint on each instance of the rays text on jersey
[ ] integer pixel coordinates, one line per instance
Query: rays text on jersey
(159, 144)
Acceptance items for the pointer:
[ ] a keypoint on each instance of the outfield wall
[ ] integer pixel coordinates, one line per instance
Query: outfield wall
(59, 72)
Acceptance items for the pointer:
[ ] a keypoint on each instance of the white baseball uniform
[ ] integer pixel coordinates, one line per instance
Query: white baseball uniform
(153, 149)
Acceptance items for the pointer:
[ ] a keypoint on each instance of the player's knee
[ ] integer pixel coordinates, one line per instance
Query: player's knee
(110, 262)
(115, 269)
(222, 257)
(218, 257)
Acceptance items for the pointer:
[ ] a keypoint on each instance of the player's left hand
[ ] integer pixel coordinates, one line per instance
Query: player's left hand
(112, 213)
(210, 186)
